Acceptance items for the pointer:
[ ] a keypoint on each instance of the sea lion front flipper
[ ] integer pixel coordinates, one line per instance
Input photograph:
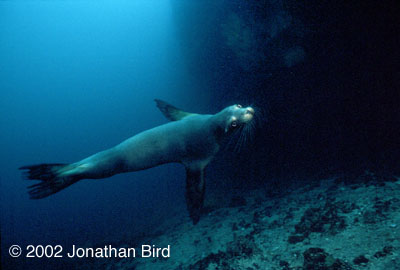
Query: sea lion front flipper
(195, 187)
(171, 112)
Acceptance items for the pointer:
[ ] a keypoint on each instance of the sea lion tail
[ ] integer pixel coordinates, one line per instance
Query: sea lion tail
(51, 181)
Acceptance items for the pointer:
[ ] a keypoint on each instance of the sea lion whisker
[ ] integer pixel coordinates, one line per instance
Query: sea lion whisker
(236, 149)
(243, 140)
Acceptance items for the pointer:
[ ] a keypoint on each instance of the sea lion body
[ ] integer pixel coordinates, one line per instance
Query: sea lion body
(190, 139)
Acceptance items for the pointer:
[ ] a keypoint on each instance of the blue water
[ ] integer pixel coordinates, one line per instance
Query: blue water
(77, 78)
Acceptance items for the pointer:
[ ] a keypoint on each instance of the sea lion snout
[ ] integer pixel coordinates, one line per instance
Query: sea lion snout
(250, 110)
(248, 114)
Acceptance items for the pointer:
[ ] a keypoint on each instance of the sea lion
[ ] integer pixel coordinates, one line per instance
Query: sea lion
(190, 139)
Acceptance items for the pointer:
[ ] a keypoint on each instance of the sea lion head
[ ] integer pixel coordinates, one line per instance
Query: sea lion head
(236, 116)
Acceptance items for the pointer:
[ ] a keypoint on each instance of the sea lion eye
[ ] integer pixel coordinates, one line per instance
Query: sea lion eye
(239, 106)
(233, 124)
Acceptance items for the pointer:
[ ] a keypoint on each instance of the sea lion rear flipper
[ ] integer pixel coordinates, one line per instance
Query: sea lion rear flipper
(171, 112)
(195, 187)
(51, 181)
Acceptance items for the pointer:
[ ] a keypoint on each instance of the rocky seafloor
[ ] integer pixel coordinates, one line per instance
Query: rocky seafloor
(347, 222)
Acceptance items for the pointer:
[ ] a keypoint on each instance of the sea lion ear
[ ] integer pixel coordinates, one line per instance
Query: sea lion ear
(171, 112)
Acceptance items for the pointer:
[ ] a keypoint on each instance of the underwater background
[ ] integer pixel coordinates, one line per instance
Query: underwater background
(78, 77)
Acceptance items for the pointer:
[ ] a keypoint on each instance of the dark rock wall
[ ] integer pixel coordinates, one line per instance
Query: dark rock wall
(325, 74)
